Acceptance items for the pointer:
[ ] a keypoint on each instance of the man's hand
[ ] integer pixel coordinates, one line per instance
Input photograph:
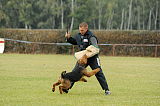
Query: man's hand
(67, 35)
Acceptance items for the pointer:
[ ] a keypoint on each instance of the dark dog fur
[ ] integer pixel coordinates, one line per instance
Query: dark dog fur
(65, 82)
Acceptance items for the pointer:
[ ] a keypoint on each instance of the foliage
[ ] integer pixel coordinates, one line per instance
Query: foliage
(104, 37)
(100, 14)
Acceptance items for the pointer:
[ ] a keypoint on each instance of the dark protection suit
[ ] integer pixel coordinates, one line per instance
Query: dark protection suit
(83, 41)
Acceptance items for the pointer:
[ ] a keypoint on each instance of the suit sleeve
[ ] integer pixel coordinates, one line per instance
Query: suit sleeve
(72, 41)
(94, 41)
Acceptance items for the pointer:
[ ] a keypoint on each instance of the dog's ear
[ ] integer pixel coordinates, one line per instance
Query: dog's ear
(64, 71)
(63, 74)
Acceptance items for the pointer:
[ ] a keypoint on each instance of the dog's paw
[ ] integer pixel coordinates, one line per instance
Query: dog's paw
(53, 89)
(85, 80)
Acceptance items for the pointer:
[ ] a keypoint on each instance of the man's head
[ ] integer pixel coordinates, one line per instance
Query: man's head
(83, 60)
(83, 27)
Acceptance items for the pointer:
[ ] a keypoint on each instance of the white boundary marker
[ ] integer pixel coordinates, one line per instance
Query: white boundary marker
(2, 45)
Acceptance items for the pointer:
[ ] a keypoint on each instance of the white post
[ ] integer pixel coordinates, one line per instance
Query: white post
(2, 45)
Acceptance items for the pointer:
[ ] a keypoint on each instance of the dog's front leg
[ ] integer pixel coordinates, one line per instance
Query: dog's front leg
(65, 84)
(60, 89)
(55, 84)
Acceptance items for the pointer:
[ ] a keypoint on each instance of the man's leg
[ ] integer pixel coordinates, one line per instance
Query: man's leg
(95, 63)
(102, 80)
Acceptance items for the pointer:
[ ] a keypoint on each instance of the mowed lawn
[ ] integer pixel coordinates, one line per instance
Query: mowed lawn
(26, 80)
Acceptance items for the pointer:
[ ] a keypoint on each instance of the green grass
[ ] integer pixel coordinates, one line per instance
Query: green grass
(26, 80)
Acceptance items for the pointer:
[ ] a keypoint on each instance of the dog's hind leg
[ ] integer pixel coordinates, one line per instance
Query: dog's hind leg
(83, 79)
(90, 73)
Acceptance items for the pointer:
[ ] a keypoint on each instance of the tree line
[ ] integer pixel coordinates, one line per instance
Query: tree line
(62, 14)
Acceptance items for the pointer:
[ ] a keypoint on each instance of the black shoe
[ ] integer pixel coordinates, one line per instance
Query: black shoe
(107, 92)
(65, 90)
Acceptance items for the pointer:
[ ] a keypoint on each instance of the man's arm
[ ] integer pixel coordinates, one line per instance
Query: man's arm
(93, 41)
(70, 39)
(90, 52)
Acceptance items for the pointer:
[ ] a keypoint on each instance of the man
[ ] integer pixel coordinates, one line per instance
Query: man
(84, 39)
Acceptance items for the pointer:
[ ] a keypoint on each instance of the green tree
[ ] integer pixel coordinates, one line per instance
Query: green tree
(99, 14)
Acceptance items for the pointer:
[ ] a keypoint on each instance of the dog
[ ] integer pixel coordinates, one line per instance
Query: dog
(64, 81)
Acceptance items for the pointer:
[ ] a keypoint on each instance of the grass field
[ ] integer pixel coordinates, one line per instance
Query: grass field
(26, 80)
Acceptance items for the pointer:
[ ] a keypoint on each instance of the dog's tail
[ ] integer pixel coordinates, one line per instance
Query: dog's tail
(63, 74)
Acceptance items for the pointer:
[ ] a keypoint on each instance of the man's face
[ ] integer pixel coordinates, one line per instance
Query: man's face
(83, 30)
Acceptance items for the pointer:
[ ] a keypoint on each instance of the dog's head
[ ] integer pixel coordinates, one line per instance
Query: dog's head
(83, 60)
